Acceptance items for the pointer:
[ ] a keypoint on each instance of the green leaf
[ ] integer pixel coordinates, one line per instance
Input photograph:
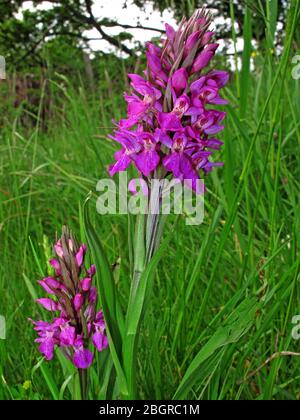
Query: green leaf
(136, 308)
(64, 386)
(272, 19)
(30, 288)
(50, 381)
(69, 370)
(108, 298)
(234, 328)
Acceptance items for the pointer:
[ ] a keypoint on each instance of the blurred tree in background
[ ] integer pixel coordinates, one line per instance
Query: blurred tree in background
(225, 9)
(22, 37)
(42, 42)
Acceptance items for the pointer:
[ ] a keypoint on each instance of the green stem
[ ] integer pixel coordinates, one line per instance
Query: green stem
(139, 266)
(83, 383)
(154, 225)
(139, 252)
(147, 236)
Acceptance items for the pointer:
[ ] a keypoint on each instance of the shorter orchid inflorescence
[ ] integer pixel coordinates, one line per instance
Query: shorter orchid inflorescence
(74, 298)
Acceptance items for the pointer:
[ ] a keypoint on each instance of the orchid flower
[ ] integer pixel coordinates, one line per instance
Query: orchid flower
(76, 325)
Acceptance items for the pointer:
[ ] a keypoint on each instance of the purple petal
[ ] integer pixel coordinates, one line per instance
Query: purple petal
(163, 138)
(214, 144)
(153, 49)
(92, 271)
(198, 85)
(67, 336)
(180, 80)
(78, 302)
(59, 249)
(154, 63)
(136, 79)
(56, 265)
(86, 284)
(214, 129)
(49, 304)
(181, 106)
(212, 165)
(40, 325)
(206, 38)
(186, 167)
(83, 358)
(50, 285)
(212, 47)
(194, 111)
(121, 165)
(172, 164)
(147, 161)
(219, 101)
(202, 60)
(169, 122)
(80, 255)
(136, 108)
(171, 33)
(221, 77)
(99, 316)
(93, 295)
(140, 85)
(129, 123)
(100, 341)
(192, 41)
(47, 348)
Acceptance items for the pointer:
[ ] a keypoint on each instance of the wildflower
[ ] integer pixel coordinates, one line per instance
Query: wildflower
(171, 114)
(73, 300)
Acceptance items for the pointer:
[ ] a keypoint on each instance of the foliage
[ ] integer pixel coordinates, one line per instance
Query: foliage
(23, 38)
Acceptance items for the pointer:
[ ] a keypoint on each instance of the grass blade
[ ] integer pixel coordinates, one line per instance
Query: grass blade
(236, 326)
(135, 310)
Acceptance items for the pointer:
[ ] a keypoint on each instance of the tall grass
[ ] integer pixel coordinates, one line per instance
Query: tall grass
(224, 293)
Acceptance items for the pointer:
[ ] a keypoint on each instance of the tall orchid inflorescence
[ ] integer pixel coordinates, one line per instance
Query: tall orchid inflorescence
(171, 124)
(73, 299)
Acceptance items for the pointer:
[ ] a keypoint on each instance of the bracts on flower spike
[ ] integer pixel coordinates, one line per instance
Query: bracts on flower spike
(76, 325)
(172, 121)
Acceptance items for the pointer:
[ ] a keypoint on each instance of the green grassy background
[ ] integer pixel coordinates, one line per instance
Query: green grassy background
(248, 246)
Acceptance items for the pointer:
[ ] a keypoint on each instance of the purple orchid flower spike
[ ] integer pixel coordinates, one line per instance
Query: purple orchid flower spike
(76, 324)
(169, 136)
(177, 99)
